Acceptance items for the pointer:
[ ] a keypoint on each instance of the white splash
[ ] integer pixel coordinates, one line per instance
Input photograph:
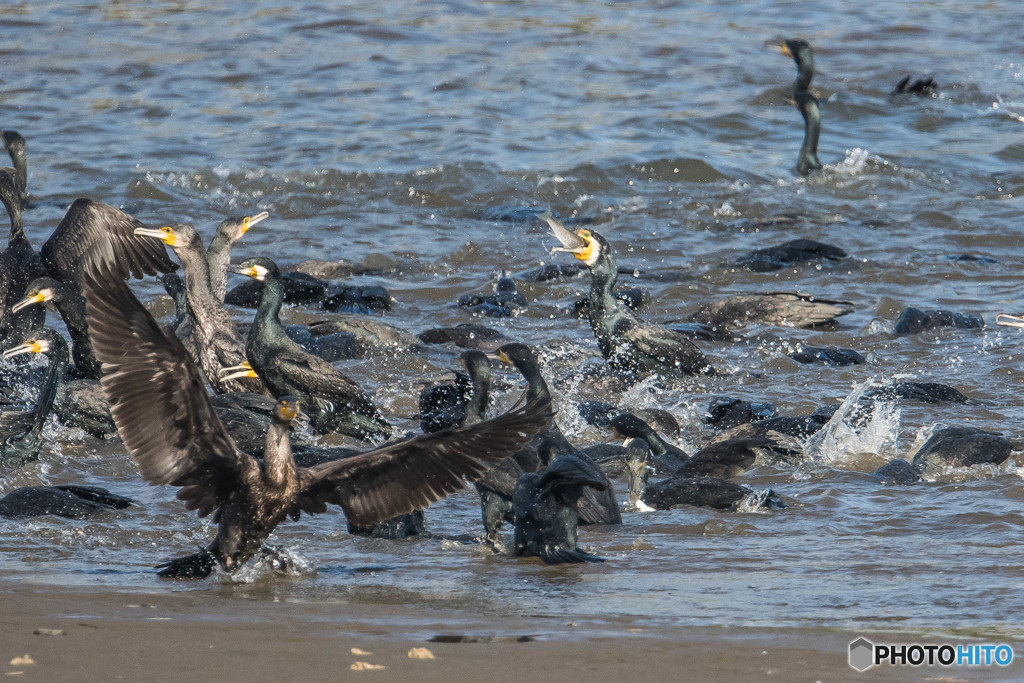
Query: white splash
(856, 428)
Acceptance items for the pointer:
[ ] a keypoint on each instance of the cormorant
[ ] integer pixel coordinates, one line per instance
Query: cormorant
(773, 308)
(544, 509)
(800, 51)
(169, 427)
(625, 342)
(371, 336)
(666, 457)
(217, 342)
(498, 486)
(828, 356)
(798, 251)
(218, 254)
(914, 321)
(699, 491)
(462, 402)
(78, 402)
(71, 306)
(465, 336)
(21, 431)
(505, 302)
(19, 265)
(69, 500)
(334, 402)
(949, 447)
(922, 86)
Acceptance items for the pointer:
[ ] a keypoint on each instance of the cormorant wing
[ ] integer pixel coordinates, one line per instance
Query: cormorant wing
(675, 347)
(90, 224)
(321, 379)
(411, 474)
(158, 400)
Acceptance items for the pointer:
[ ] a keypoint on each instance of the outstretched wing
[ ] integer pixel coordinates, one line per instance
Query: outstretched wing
(89, 226)
(157, 398)
(412, 474)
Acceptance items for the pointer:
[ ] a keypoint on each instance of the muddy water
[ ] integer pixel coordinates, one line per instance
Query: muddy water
(381, 134)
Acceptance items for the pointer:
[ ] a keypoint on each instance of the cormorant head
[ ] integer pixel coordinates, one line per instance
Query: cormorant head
(257, 268)
(800, 50)
(180, 234)
(584, 244)
(287, 408)
(40, 341)
(14, 142)
(39, 291)
(515, 353)
(235, 371)
(235, 227)
(475, 361)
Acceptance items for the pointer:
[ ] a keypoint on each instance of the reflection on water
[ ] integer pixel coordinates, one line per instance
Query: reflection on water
(380, 135)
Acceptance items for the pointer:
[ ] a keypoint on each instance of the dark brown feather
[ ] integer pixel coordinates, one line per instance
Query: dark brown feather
(158, 400)
(411, 474)
(90, 225)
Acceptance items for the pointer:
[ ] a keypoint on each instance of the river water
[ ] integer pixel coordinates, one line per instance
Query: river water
(381, 132)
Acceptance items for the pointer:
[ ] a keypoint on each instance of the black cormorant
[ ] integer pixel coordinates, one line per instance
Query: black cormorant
(506, 300)
(333, 401)
(544, 506)
(800, 51)
(68, 500)
(463, 401)
(465, 336)
(625, 342)
(19, 265)
(914, 321)
(948, 447)
(21, 431)
(169, 426)
(218, 344)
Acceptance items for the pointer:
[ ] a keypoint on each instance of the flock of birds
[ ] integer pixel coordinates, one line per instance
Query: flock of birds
(210, 406)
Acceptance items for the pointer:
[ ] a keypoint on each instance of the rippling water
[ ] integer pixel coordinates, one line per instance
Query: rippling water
(380, 134)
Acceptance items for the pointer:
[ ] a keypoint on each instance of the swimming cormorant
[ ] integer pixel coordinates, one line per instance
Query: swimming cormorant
(333, 401)
(21, 431)
(169, 427)
(505, 302)
(218, 343)
(948, 447)
(914, 321)
(68, 500)
(625, 342)
(465, 336)
(800, 51)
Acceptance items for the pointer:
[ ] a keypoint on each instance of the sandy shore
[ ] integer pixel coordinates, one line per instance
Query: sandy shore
(174, 635)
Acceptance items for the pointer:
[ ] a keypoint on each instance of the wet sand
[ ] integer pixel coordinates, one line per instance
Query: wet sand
(175, 635)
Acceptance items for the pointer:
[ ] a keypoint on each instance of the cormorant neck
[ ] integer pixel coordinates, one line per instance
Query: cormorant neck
(278, 464)
(14, 211)
(217, 258)
(535, 384)
(71, 306)
(808, 160)
(197, 283)
(58, 356)
(476, 409)
(804, 74)
(269, 310)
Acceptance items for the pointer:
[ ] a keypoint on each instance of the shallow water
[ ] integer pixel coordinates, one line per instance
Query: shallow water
(381, 134)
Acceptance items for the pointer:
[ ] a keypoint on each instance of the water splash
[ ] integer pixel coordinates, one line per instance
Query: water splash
(859, 426)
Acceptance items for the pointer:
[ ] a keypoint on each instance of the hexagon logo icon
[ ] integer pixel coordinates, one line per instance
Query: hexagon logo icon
(862, 654)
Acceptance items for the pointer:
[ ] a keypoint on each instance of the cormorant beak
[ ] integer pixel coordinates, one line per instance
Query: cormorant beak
(785, 49)
(235, 371)
(499, 356)
(250, 221)
(165, 235)
(30, 346)
(37, 298)
(255, 272)
(1008, 320)
(580, 244)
